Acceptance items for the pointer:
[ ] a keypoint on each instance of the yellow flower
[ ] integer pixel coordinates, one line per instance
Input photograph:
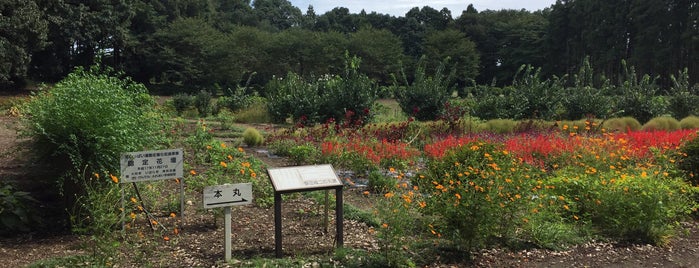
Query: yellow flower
(392, 170)
(422, 204)
(230, 157)
(115, 179)
(133, 199)
(240, 149)
(566, 207)
(132, 215)
(458, 196)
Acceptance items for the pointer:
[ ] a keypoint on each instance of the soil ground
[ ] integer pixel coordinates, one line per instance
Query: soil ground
(200, 239)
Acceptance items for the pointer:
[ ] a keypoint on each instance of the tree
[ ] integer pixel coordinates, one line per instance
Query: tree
(22, 32)
(279, 14)
(455, 46)
(380, 51)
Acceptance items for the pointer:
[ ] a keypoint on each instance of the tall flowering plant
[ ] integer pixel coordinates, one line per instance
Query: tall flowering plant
(475, 191)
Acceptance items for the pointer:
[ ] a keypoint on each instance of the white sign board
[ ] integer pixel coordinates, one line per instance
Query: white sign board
(227, 195)
(303, 177)
(151, 165)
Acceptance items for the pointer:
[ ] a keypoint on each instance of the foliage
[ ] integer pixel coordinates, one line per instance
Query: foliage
(683, 97)
(345, 99)
(622, 124)
(182, 102)
(629, 206)
(689, 160)
(690, 122)
(476, 191)
(252, 137)
(202, 101)
(541, 98)
(501, 126)
(638, 97)
(662, 123)
(586, 99)
(425, 96)
(25, 32)
(83, 124)
(304, 154)
(16, 213)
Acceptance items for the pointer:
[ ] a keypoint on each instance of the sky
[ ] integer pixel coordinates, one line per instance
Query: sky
(398, 8)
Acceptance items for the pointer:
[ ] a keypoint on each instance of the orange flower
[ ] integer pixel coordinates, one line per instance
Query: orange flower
(223, 164)
(388, 195)
(166, 238)
(97, 175)
(385, 225)
(115, 179)
(176, 231)
(240, 149)
(223, 145)
(365, 193)
(192, 172)
(230, 157)
(172, 214)
(458, 196)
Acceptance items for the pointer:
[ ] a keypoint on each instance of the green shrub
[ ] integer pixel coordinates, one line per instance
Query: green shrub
(426, 96)
(690, 122)
(347, 99)
(475, 193)
(689, 160)
(638, 97)
(16, 213)
(501, 126)
(380, 182)
(255, 113)
(202, 101)
(292, 97)
(541, 97)
(622, 124)
(637, 206)
(252, 137)
(585, 99)
(82, 125)
(683, 97)
(662, 123)
(182, 102)
(304, 154)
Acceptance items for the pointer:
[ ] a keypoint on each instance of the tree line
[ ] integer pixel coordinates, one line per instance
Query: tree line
(189, 45)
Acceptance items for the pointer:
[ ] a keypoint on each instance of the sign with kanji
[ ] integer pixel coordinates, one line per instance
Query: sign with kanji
(151, 165)
(227, 195)
(303, 177)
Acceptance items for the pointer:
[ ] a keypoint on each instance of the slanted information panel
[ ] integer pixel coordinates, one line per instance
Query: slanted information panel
(303, 178)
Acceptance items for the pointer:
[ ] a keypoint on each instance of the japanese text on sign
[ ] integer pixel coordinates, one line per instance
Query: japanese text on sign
(151, 165)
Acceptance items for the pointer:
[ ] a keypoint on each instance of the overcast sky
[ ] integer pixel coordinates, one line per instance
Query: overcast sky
(400, 7)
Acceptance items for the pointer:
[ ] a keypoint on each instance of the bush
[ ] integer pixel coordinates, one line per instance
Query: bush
(501, 126)
(16, 213)
(476, 193)
(622, 124)
(182, 102)
(82, 126)
(347, 99)
(661, 123)
(426, 96)
(690, 122)
(689, 160)
(252, 137)
(304, 154)
(203, 103)
(638, 206)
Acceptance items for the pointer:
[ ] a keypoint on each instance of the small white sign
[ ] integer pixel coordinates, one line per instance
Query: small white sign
(303, 177)
(151, 165)
(227, 195)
